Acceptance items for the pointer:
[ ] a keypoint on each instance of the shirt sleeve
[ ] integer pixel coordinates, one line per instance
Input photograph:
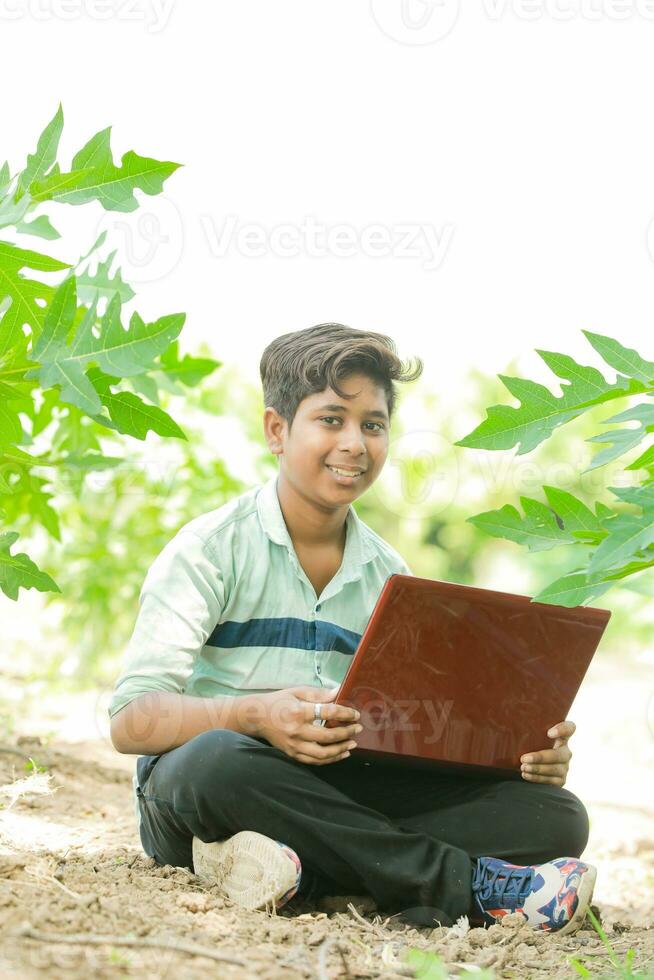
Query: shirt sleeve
(180, 603)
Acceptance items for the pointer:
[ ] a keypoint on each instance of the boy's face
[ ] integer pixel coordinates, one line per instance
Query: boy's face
(330, 432)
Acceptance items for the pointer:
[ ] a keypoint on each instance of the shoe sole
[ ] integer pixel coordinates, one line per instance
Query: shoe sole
(252, 869)
(585, 894)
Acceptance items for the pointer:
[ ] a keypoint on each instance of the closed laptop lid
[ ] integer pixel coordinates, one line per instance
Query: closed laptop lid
(455, 675)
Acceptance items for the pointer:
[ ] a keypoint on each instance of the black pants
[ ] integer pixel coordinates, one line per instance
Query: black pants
(406, 837)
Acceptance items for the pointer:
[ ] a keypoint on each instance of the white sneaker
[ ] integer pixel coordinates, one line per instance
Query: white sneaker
(254, 871)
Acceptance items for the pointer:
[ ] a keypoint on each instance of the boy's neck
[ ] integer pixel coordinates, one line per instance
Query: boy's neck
(308, 525)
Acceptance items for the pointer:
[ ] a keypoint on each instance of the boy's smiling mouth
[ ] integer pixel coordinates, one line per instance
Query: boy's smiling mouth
(345, 476)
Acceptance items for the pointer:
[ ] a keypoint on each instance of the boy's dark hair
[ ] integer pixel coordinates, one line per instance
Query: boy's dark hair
(303, 362)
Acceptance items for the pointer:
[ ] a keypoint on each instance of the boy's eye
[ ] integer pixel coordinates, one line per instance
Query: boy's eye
(327, 418)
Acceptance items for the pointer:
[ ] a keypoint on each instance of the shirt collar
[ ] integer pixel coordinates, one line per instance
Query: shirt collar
(358, 548)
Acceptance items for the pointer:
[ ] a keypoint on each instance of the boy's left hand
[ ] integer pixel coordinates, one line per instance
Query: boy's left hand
(550, 765)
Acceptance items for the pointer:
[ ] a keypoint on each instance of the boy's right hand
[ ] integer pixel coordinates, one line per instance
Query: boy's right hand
(288, 725)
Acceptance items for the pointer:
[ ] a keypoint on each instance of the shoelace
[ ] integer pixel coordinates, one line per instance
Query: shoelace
(485, 880)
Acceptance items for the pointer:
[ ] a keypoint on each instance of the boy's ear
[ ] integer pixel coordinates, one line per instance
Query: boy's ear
(273, 428)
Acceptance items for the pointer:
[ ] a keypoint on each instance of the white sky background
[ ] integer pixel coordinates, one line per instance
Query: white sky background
(519, 134)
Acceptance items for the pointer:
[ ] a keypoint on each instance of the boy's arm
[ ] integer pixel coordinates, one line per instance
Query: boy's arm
(158, 721)
(181, 602)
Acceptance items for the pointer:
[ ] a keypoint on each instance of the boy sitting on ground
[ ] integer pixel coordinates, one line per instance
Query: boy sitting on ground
(248, 620)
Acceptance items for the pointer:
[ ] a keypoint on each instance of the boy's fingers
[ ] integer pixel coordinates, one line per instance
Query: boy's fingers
(332, 712)
(557, 770)
(534, 778)
(317, 752)
(558, 742)
(328, 736)
(548, 756)
(314, 694)
(564, 729)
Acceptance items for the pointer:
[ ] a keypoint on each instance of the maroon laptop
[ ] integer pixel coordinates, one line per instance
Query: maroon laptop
(455, 676)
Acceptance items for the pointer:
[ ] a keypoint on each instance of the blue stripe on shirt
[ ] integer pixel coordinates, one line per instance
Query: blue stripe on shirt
(287, 631)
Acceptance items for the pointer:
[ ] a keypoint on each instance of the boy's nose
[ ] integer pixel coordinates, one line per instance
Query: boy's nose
(354, 443)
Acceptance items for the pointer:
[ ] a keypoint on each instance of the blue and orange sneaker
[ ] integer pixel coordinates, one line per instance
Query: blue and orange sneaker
(253, 871)
(553, 896)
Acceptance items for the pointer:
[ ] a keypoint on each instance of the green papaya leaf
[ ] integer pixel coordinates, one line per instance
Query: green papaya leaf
(102, 283)
(189, 370)
(538, 530)
(40, 227)
(126, 352)
(144, 384)
(19, 571)
(620, 441)
(13, 212)
(643, 413)
(643, 461)
(578, 519)
(541, 412)
(574, 589)
(130, 413)
(96, 245)
(5, 179)
(55, 186)
(641, 496)
(45, 156)
(115, 350)
(623, 359)
(23, 294)
(629, 534)
(579, 587)
(95, 177)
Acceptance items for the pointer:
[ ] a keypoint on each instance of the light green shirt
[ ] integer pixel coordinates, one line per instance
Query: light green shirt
(227, 609)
